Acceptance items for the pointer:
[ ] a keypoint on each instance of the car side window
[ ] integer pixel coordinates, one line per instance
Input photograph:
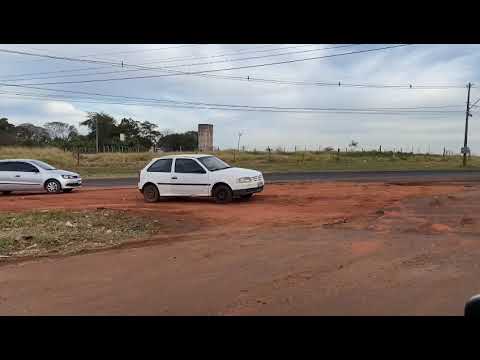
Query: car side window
(162, 165)
(22, 167)
(188, 166)
(5, 166)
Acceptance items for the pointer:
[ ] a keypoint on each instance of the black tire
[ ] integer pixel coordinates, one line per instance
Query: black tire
(222, 194)
(6, 192)
(67, 190)
(246, 196)
(150, 193)
(53, 187)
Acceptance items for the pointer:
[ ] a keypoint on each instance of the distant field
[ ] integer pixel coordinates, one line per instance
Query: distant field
(128, 164)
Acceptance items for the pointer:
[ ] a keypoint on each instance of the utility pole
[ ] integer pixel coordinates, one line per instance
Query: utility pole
(96, 132)
(467, 115)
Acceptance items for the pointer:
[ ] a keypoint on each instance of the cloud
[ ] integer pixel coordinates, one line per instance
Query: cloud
(417, 64)
(62, 108)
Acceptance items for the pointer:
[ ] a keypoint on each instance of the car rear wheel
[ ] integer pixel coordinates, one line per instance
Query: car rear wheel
(150, 193)
(53, 187)
(222, 194)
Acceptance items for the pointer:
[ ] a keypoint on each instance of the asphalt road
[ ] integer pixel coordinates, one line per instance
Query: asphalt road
(362, 176)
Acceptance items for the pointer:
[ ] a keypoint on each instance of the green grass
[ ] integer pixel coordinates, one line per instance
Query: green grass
(45, 232)
(128, 164)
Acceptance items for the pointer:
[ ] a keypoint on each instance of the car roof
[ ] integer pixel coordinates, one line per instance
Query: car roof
(194, 156)
(27, 160)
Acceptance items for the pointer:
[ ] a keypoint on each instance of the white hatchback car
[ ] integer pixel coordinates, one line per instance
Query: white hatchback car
(197, 175)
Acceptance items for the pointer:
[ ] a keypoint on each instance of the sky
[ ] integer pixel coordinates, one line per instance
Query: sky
(418, 65)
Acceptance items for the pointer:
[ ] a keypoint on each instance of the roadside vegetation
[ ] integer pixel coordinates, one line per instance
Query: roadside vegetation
(45, 232)
(128, 164)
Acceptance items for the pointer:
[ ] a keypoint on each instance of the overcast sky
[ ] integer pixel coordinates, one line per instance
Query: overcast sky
(415, 64)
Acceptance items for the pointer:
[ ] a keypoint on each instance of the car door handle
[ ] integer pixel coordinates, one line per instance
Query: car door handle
(174, 178)
(17, 175)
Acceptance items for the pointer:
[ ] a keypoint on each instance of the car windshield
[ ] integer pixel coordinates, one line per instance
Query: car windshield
(213, 163)
(43, 165)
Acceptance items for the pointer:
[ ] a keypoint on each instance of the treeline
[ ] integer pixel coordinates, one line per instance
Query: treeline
(112, 134)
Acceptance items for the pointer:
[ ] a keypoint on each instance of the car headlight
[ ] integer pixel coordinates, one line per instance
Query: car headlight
(244, 180)
(68, 176)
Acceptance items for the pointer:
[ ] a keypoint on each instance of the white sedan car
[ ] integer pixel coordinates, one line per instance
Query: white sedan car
(197, 175)
(35, 175)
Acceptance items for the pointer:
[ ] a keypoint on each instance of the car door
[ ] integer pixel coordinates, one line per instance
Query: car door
(160, 173)
(25, 176)
(189, 178)
(5, 176)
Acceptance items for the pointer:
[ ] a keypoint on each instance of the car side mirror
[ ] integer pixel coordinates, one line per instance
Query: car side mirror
(472, 307)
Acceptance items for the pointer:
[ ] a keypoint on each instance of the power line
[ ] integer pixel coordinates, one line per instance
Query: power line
(254, 79)
(318, 83)
(158, 61)
(475, 103)
(382, 110)
(259, 57)
(192, 73)
(246, 51)
(239, 109)
(171, 66)
(123, 52)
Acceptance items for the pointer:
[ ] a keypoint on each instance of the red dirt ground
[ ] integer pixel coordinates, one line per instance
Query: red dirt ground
(295, 249)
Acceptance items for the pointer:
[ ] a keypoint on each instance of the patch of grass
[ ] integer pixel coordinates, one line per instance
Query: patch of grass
(128, 164)
(46, 232)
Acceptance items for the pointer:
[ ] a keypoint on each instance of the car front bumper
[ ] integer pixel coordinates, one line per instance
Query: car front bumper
(247, 191)
(71, 183)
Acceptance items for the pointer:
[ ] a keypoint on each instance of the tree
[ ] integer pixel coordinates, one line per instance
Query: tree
(5, 125)
(29, 134)
(7, 132)
(59, 130)
(130, 128)
(106, 127)
(148, 134)
(187, 141)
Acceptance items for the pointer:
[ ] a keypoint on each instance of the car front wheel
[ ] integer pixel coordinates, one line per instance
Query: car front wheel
(222, 194)
(53, 186)
(150, 193)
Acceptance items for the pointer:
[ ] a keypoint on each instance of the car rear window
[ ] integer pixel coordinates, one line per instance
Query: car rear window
(162, 165)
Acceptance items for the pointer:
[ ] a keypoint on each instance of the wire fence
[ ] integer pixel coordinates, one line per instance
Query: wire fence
(290, 149)
(278, 149)
(106, 149)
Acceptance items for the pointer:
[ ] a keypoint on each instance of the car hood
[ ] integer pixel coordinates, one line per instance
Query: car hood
(62, 172)
(237, 172)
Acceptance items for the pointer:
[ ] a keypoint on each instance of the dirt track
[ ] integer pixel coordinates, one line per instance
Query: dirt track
(318, 248)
